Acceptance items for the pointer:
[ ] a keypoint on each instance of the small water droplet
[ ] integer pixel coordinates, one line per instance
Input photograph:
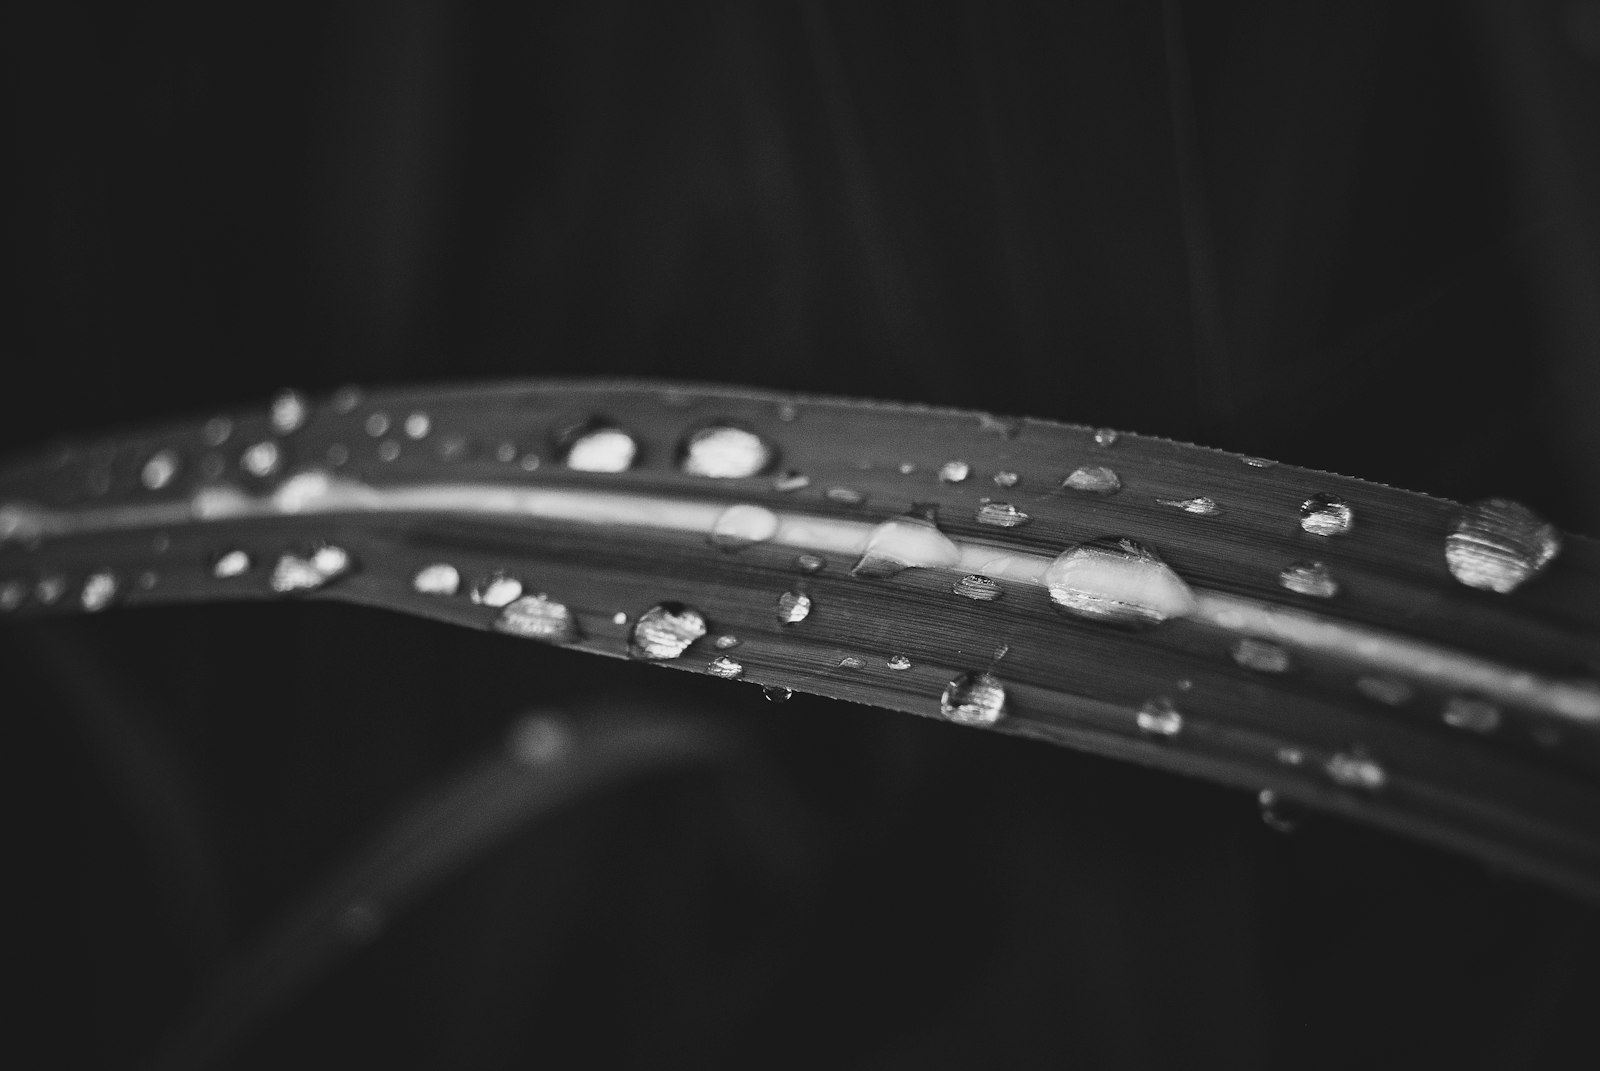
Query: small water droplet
(309, 568)
(978, 588)
(496, 589)
(1159, 717)
(1117, 581)
(1258, 462)
(528, 462)
(791, 481)
(724, 452)
(147, 581)
(289, 411)
(49, 589)
(599, 447)
(1278, 814)
(1006, 479)
(159, 470)
(338, 454)
(899, 661)
(907, 542)
(1105, 436)
(1291, 756)
(1200, 507)
(377, 425)
(726, 668)
(537, 617)
(726, 642)
(788, 411)
(793, 607)
(1498, 545)
(774, 694)
(12, 595)
(539, 740)
(231, 563)
(845, 496)
(743, 525)
(666, 631)
(1386, 690)
(261, 459)
(1356, 769)
(954, 471)
(974, 699)
(1326, 515)
(345, 399)
(506, 452)
(1000, 515)
(906, 468)
(1309, 578)
(1094, 480)
(810, 563)
(851, 662)
(417, 425)
(216, 431)
(1261, 656)
(99, 590)
(440, 578)
(1474, 715)
(388, 450)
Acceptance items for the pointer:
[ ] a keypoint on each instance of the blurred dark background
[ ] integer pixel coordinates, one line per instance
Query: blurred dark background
(1363, 237)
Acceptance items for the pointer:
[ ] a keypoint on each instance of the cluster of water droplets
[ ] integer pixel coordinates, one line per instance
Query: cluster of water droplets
(310, 568)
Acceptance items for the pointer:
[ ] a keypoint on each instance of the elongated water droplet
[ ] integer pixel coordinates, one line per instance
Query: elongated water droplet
(1474, 715)
(1309, 578)
(743, 525)
(1200, 507)
(974, 699)
(954, 471)
(726, 668)
(774, 694)
(810, 563)
(793, 607)
(310, 568)
(496, 589)
(724, 452)
(600, 447)
(440, 578)
(898, 662)
(1094, 480)
(1356, 769)
(666, 631)
(289, 411)
(537, 617)
(1261, 656)
(417, 425)
(1326, 515)
(1386, 690)
(1278, 814)
(231, 563)
(908, 542)
(1001, 515)
(791, 481)
(1118, 581)
(726, 642)
(1105, 436)
(1498, 545)
(99, 590)
(159, 470)
(1159, 717)
(851, 662)
(845, 496)
(1006, 479)
(260, 459)
(977, 587)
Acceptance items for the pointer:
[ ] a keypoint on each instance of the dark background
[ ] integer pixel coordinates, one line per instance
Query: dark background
(1363, 237)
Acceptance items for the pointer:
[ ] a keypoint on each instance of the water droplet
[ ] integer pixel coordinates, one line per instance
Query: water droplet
(99, 590)
(724, 452)
(1356, 769)
(1159, 717)
(528, 462)
(788, 411)
(496, 589)
(899, 661)
(974, 699)
(1006, 479)
(388, 450)
(147, 581)
(742, 525)
(1291, 756)
(417, 425)
(1474, 715)
(538, 740)
(1326, 515)
(345, 399)
(1200, 507)
(440, 578)
(978, 588)
(774, 694)
(12, 595)
(1001, 515)
(791, 481)
(1309, 578)
(666, 631)
(1386, 690)
(261, 459)
(599, 447)
(231, 563)
(537, 617)
(1498, 545)
(338, 454)
(851, 662)
(506, 452)
(1278, 814)
(793, 607)
(954, 471)
(49, 589)
(726, 668)
(1105, 436)
(1093, 479)
(845, 496)
(726, 642)
(1258, 462)
(289, 411)
(216, 431)
(377, 425)
(1261, 656)
(906, 468)
(309, 568)
(159, 470)
(1118, 581)
(810, 563)
(907, 542)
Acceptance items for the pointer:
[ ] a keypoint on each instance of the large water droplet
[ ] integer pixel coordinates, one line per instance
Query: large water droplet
(159, 470)
(1118, 581)
(1326, 515)
(724, 452)
(1094, 480)
(977, 587)
(726, 668)
(954, 471)
(260, 459)
(496, 589)
(537, 617)
(440, 578)
(1309, 578)
(1474, 715)
(1261, 656)
(289, 411)
(1001, 515)
(899, 662)
(1159, 717)
(793, 607)
(599, 447)
(666, 631)
(1498, 545)
(775, 694)
(230, 563)
(310, 568)
(1278, 814)
(1356, 769)
(974, 699)
(1200, 507)
(908, 542)
(742, 525)
(99, 590)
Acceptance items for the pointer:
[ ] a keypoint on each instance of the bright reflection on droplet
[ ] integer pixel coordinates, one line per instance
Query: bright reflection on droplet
(1001, 515)
(496, 589)
(260, 459)
(602, 448)
(440, 578)
(417, 425)
(289, 411)
(1118, 581)
(978, 588)
(1159, 717)
(1474, 715)
(908, 542)
(742, 525)
(1309, 578)
(724, 452)
(1356, 769)
(666, 631)
(231, 563)
(1261, 656)
(974, 699)
(954, 471)
(99, 590)
(793, 607)
(1326, 515)
(537, 617)
(309, 569)
(1094, 480)
(1498, 545)
(726, 642)
(159, 470)
(726, 668)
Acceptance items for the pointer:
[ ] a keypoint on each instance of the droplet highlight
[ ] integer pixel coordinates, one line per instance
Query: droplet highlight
(726, 642)
(1277, 814)
(1356, 769)
(100, 590)
(1498, 545)
(159, 470)
(977, 699)
(810, 563)
(600, 448)
(775, 694)
(791, 481)
(666, 631)
(1006, 479)
(417, 425)
(1117, 581)
(261, 459)
(1105, 436)
(954, 471)
(231, 563)
(1158, 717)
(1389, 691)
(289, 411)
